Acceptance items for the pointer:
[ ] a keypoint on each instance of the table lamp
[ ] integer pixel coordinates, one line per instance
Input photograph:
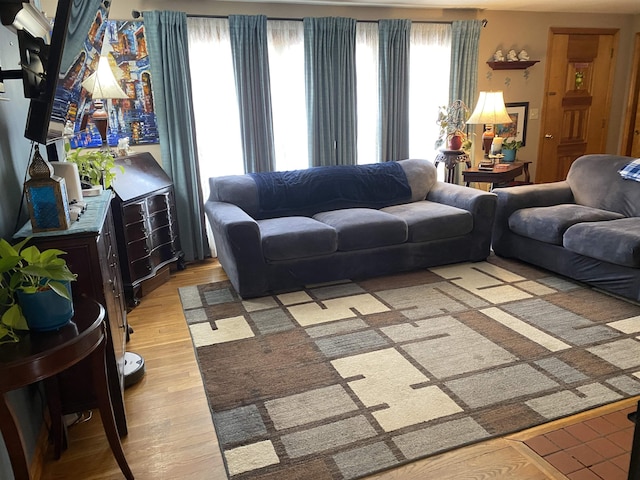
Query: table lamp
(102, 85)
(490, 110)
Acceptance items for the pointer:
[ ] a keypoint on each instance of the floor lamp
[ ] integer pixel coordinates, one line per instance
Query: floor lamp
(490, 110)
(102, 85)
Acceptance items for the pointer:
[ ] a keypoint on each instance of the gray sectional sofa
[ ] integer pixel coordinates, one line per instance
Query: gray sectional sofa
(279, 231)
(586, 227)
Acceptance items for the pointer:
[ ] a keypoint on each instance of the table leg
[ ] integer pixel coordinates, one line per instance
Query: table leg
(58, 429)
(634, 463)
(13, 440)
(101, 385)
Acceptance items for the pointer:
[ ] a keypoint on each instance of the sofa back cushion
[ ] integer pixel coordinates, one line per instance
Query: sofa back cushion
(318, 189)
(595, 182)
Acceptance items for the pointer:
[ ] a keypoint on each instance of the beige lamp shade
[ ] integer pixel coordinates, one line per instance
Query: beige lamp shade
(102, 83)
(490, 109)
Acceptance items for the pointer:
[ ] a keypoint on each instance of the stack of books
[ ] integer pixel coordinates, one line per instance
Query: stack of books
(485, 166)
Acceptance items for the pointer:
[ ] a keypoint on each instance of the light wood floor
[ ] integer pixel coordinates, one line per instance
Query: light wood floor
(171, 434)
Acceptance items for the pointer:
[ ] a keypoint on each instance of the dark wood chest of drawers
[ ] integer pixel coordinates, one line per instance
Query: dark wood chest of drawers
(92, 254)
(146, 222)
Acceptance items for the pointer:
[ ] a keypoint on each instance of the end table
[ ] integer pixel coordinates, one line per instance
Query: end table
(42, 356)
(451, 158)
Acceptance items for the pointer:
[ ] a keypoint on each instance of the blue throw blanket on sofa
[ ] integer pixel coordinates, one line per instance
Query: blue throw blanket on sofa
(324, 188)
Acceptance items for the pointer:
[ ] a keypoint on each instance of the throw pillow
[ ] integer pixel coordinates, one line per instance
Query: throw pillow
(631, 171)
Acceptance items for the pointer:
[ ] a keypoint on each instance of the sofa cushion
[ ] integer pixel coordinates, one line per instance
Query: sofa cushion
(428, 221)
(296, 237)
(595, 182)
(614, 241)
(548, 224)
(360, 228)
(334, 187)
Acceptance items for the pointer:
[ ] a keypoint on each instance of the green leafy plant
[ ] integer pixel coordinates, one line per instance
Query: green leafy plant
(452, 121)
(511, 144)
(25, 268)
(94, 166)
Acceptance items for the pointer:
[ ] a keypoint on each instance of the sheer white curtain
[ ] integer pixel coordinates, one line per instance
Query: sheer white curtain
(429, 86)
(215, 106)
(367, 91)
(215, 102)
(286, 68)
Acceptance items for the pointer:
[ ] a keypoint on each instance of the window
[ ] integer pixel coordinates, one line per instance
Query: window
(286, 69)
(216, 110)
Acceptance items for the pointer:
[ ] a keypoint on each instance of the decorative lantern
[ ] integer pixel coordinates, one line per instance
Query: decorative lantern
(46, 196)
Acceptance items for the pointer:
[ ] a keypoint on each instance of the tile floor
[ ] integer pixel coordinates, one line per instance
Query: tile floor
(596, 449)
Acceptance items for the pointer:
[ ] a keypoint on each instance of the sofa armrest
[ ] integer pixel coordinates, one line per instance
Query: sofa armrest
(239, 247)
(481, 205)
(511, 199)
(470, 199)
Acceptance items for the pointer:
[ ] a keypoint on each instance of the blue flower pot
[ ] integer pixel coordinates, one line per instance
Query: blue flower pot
(509, 155)
(46, 310)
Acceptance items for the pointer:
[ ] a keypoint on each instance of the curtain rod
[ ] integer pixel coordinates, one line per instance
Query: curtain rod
(138, 14)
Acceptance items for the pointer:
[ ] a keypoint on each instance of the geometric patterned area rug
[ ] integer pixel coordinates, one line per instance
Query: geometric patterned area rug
(343, 380)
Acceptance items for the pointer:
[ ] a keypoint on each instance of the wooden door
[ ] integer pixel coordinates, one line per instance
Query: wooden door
(631, 132)
(577, 98)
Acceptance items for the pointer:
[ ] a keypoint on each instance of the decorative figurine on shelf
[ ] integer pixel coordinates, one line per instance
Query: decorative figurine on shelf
(523, 56)
(512, 56)
(498, 56)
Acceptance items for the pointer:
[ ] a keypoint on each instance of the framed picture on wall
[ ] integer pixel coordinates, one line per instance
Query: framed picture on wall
(518, 128)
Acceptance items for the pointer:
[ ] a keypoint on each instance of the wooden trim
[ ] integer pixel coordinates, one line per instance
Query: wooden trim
(36, 466)
(583, 31)
(632, 101)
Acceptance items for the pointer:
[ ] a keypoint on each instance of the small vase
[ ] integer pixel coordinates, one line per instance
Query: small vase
(46, 310)
(455, 142)
(509, 155)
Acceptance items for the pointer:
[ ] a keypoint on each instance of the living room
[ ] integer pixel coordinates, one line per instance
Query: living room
(504, 30)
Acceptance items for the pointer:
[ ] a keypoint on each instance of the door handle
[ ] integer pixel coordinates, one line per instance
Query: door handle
(548, 135)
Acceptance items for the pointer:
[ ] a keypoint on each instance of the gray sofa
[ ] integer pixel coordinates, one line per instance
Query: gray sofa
(586, 227)
(279, 231)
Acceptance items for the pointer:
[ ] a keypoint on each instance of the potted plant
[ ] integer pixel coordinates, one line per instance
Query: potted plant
(510, 148)
(452, 123)
(30, 279)
(95, 167)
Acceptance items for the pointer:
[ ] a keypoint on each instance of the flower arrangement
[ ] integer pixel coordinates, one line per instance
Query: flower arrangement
(452, 123)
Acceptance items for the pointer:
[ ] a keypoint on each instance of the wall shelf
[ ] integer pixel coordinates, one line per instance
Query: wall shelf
(519, 65)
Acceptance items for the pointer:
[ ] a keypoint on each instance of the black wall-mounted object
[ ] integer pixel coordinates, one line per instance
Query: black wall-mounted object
(72, 24)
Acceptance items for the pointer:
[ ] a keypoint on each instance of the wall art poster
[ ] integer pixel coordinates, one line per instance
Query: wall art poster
(517, 129)
(134, 118)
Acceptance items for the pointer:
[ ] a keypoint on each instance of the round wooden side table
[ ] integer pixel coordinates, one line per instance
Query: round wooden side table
(451, 158)
(43, 355)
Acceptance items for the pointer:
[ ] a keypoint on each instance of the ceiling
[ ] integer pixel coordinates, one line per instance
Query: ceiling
(575, 6)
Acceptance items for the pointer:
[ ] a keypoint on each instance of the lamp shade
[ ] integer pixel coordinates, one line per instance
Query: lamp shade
(490, 109)
(102, 83)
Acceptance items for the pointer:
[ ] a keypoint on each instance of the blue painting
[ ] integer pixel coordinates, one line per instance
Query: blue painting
(133, 118)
